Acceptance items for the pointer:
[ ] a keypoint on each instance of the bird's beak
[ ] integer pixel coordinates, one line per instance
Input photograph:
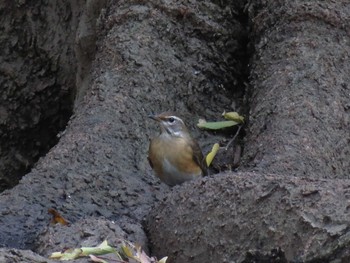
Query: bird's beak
(154, 117)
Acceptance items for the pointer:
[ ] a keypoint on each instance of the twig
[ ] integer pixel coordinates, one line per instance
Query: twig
(234, 137)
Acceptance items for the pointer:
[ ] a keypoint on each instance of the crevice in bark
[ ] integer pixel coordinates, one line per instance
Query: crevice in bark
(40, 74)
(85, 46)
(37, 80)
(298, 133)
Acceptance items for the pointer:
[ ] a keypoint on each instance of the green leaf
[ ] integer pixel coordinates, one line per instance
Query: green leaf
(68, 254)
(217, 125)
(127, 251)
(210, 156)
(233, 116)
(101, 249)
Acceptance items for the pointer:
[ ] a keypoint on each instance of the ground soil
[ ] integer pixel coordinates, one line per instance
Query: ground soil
(285, 62)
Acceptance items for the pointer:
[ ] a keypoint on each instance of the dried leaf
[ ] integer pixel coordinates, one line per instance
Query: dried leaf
(143, 258)
(201, 121)
(57, 218)
(68, 254)
(233, 116)
(96, 259)
(127, 251)
(210, 156)
(136, 253)
(163, 260)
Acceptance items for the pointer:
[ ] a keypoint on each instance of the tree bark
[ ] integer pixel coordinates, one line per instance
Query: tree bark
(298, 129)
(37, 76)
(250, 217)
(151, 56)
(299, 118)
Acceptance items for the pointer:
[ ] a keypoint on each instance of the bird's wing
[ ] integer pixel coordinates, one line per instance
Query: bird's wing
(199, 158)
(150, 162)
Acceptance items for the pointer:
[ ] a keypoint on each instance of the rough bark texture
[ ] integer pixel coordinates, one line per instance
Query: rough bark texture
(298, 126)
(247, 217)
(90, 232)
(299, 119)
(188, 56)
(37, 77)
(151, 56)
(21, 256)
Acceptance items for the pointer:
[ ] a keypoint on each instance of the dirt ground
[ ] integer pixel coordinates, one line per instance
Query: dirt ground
(281, 64)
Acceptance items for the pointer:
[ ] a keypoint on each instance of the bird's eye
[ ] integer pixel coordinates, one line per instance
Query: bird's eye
(171, 119)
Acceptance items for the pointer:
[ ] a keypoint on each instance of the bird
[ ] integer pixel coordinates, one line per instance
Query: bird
(174, 155)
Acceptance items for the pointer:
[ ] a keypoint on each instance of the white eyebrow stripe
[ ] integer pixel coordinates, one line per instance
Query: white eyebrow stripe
(176, 118)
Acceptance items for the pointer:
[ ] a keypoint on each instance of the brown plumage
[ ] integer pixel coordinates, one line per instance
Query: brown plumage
(174, 155)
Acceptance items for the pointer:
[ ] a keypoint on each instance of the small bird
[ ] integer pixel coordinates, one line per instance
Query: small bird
(174, 155)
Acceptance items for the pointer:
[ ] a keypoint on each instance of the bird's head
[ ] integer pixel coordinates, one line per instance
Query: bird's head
(170, 124)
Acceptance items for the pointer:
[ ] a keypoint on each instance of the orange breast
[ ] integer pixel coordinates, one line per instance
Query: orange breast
(172, 160)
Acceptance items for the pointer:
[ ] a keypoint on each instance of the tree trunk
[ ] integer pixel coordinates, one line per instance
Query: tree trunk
(299, 118)
(153, 56)
(37, 76)
(250, 217)
(298, 128)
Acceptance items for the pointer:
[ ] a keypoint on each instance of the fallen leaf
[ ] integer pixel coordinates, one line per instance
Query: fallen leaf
(127, 251)
(57, 218)
(96, 259)
(68, 254)
(217, 125)
(210, 156)
(144, 258)
(233, 116)
(101, 249)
